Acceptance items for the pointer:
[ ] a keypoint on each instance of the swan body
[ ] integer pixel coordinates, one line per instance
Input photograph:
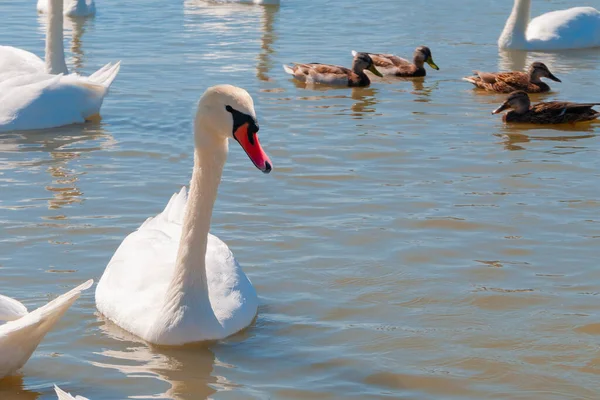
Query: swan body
(36, 94)
(573, 28)
(262, 2)
(171, 282)
(72, 8)
(21, 332)
(62, 395)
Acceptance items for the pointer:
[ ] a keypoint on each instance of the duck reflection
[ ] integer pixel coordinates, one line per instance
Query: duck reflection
(13, 388)
(74, 28)
(366, 99)
(514, 137)
(188, 370)
(63, 146)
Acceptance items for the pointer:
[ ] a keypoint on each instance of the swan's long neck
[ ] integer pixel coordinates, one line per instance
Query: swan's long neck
(55, 52)
(189, 283)
(516, 25)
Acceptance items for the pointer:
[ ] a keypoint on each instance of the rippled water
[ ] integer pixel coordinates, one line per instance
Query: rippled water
(407, 244)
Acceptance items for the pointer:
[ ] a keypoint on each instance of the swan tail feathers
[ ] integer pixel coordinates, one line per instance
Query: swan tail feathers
(288, 69)
(470, 79)
(106, 75)
(20, 338)
(173, 212)
(62, 395)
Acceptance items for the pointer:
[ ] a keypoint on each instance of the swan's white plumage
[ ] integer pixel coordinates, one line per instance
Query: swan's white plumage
(20, 336)
(41, 100)
(62, 395)
(72, 8)
(34, 96)
(263, 2)
(133, 288)
(573, 28)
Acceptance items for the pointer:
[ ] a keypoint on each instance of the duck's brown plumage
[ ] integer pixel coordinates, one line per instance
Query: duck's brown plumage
(507, 82)
(390, 64)
(334, 74)
(331, 74)
(552, 112)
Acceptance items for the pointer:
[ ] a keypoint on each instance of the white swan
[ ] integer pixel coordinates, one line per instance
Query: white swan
(62, 395)
(38, 95)
(574, 28)
(21, 332)
(262, 2)
(72, 8)
(171, 282)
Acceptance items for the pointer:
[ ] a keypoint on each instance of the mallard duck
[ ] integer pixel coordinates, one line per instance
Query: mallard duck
(507, 82)
(552, 112)
(333, 74)
(389, 64)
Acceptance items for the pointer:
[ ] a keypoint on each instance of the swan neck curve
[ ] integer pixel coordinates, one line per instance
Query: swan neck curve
(55, 52)
(514, 33)
(189, 284)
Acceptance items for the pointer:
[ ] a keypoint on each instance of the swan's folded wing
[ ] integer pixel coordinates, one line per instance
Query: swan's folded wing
(20, 338)
(62, 395)
(39, 101)
(11, 309)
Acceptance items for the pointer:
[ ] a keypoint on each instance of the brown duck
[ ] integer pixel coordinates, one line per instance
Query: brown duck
(507, 82)
(552, 112)
(333, 74)
(389, 64)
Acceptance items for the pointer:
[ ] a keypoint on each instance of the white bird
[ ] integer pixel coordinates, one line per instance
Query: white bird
(573, 28)
(62, 395)
(38, 95)
(171, 282)
(261, 2)
(21, 332)
(72, 8)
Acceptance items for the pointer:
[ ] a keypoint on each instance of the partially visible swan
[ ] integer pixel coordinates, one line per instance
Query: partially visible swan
(62, 395)
(38, 95)
(171, 282)
(73, 8)
(264, 2)
(573, 28)
(21, 332)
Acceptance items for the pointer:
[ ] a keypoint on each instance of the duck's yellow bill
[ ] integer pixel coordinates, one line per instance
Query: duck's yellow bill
(374, 71)
(432, 64)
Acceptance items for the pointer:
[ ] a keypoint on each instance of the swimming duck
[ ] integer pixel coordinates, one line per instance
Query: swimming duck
(507, 82)
(389, 64)
(333, 74)
(552, 112)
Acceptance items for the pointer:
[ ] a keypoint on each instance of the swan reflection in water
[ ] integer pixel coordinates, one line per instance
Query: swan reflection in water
(188, 370)
(55, 150)
(13, 388)
(559, 61)
(224, 22)
(74, 28)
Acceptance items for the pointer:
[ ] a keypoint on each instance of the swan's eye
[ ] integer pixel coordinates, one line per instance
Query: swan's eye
(240, 118)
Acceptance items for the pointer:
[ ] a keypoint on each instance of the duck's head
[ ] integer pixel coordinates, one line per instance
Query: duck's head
(423, 55)
(539, 70)
(363, 61)
(518, 101)
(225, 112)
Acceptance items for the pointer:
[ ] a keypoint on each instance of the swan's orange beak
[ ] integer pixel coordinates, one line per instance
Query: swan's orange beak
(251, 145)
